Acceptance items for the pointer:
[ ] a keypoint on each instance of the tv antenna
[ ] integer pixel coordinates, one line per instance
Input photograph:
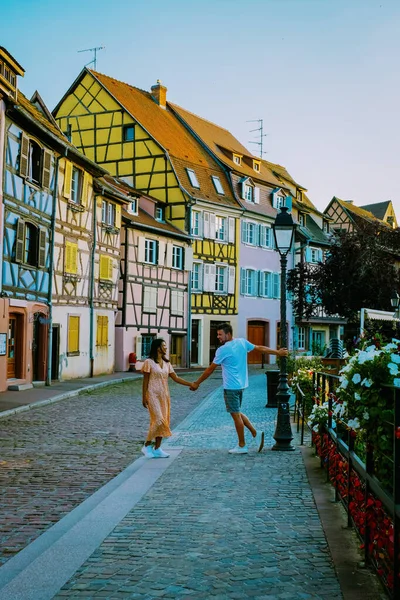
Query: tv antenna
(94, 59)
(260, 129)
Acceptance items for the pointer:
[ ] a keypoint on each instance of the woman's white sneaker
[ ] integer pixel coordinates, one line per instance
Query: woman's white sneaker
(160, 453)
(148, 451)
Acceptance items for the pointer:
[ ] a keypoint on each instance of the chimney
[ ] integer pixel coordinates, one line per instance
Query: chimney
(159, 94)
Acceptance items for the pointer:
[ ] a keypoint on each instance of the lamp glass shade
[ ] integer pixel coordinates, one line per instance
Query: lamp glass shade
(395, 300)
(283, 231)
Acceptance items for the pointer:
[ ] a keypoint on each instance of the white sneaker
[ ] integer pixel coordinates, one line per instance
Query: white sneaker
(148, 451)
(258, 440)
(160, 453)
(239, 450)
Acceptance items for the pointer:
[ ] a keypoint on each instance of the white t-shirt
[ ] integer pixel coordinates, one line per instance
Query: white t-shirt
(232, 357)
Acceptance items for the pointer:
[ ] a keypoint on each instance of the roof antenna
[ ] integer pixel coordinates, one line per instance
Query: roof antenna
(94, 60)
(262, 135)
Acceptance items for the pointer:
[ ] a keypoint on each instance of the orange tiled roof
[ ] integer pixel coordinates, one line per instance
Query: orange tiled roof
(217, 138)
(167, 130)
(145, 219)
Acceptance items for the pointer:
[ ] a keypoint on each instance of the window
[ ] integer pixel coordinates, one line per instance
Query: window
(73, 335)
(177, 302)
(196, 223)
(237, 159)
(197, 272)
(108, 213)
(301, 338)
(280, 201)
(34, 162)
(159, 215)
(128, 133)
(192, 178)
(106, 268)
(250, 282)
(248, 193)
(220, 228)
(102, 331)
(133, 207)
(146, 344)
(326, 226)
(266, 237)
(30, 244)
(313, 255)
(35, 159)
(76, 185)
(150, 251)
(256, 166)
(269, 284)
(302, 219)
(68, 133)
(71, 258)
(221, 279)
(177, 257)
(150, 299)
(218, 185)
(249, 233)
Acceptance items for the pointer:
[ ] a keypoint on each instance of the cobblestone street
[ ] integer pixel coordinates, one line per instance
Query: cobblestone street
(54, 457)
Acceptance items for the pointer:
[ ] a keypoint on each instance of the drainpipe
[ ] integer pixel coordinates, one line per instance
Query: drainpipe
(2, 175)
(51, 260)
(91, 290)
(189, 299)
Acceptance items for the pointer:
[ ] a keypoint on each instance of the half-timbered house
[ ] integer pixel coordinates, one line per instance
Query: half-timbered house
(136, 136)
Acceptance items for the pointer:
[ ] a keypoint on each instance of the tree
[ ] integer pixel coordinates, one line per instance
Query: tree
(359, 271)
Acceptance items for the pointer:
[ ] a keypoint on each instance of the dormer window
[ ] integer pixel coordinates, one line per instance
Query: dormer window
(237, 159)
(133, 206)
(248, 192)
(218, 185)
(192, 178)
(326, 227)
(256, 166)
(160, 214)
(302, 219)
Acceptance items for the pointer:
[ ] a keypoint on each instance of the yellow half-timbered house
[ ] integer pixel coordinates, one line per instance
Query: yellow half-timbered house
(136, 137)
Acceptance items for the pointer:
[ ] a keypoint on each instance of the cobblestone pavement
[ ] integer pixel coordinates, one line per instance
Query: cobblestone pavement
(54, 457)
(216, 525)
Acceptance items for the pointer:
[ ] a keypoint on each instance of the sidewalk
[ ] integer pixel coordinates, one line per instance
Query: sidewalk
(202, 524)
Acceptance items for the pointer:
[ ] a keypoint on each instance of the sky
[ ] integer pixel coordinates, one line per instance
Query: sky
(323, 75)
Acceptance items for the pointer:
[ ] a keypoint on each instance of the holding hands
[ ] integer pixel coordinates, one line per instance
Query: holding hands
(194, 386)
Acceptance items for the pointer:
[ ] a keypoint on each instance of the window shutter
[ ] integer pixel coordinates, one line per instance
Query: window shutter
(42, 249)
(118, 216)
(257, 234)
(85, 189)
(212, 233)
(161, 253)
(174, 302)
(110, 268)
(206, 231)
(231, 280)
(20, 241)
(231, 230)
(73, 334)
(257, 195)
(269, 242)
(274, 200)
(74, 258)
(201, 275)
(168, 256)
(288, 202)
(103, 266)
(244, 232)
(276, 291)
(139, 347)
(320, 256)
(307, 254)
(24, 156)
(141, 242)
(47, 156)
(259, 276)
(67, 179)
(188, 258)
(242, 281)
(201, 224)
(242, 190)
(206, 279)
(262, 235)
(211, 278)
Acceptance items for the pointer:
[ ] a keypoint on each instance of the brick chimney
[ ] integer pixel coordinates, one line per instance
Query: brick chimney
(159, 94)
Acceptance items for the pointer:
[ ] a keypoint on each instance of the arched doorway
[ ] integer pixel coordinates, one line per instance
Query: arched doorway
(39, 346)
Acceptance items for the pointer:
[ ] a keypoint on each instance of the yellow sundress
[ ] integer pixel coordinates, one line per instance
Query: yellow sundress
(159, 401)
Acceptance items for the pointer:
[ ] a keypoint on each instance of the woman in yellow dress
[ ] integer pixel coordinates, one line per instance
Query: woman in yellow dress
(156, 398)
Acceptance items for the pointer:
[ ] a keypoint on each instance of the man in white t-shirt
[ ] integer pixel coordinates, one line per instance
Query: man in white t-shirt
(232, 356)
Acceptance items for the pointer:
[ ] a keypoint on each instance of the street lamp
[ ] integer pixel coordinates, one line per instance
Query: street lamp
(284, 229)
(395, 302)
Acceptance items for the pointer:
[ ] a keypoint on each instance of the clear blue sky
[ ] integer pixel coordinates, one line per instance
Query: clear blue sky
(322, 74)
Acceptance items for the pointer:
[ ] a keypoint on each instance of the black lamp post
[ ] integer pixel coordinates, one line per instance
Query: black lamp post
(284, 229)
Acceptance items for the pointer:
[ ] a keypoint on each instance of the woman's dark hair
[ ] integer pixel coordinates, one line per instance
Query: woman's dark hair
(155, 345)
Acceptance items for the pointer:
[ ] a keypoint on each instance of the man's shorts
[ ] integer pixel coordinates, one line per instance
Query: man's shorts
(233, 400)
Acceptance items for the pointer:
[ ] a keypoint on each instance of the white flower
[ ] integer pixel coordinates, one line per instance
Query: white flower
(353, 423)
(390, 347)
(393, 368)
(315, 428)
(367, 382)
(356, 378)
(357, 396)
(366, 415)
(395, 358)
(344, 383)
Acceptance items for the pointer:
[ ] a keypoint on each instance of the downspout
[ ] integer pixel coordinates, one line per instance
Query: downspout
(189, 301)
(51, 260)
(2, 175)
(91, 289)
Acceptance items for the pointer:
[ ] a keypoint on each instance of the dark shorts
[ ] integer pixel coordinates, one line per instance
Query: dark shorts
(233, 400)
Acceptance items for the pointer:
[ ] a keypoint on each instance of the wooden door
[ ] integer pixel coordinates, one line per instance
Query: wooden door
(194, 346)
(256, 335)
(12, 347)
(175, 355)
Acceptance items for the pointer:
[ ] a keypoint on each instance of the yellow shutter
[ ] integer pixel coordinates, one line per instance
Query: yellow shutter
(98, 331)
(73, 334)
(71, 258)
(85, 189)
(105, 331)
(110, 269)
(103, 267)
(118, 216)
(102, 331)
(67, 179)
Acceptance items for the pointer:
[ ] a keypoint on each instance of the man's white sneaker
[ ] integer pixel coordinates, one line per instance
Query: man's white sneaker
(148, 451)
(239, 450)
(160, 453)
(258, 440)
